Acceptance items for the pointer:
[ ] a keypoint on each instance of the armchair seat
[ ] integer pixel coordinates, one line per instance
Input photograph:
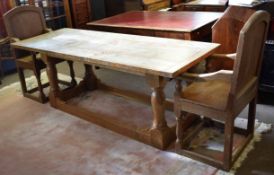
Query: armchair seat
(28, 60)
(213, 93)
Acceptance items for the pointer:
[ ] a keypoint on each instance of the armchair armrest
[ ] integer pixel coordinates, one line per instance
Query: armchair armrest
(13, 39)
(231, 56)
(48, 30)
(219, 75)
(165, 9)
(4, 40)
(220, 61)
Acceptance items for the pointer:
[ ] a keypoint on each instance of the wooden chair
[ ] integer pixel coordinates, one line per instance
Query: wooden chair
(21, 23)
(226, 31)
(81, 13)
(154, 5)
(4, 54)
(222, 95)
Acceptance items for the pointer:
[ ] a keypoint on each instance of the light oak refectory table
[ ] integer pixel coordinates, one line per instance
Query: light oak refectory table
(158, 59)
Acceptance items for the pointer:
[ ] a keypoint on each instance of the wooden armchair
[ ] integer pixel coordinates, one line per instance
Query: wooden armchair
(226, 32)
(219, 97)
(21, 23)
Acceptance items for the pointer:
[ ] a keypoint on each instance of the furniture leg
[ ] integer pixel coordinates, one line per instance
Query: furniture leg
(22, 80)
(53, 79)
(90, 78)
(229, 128)
(160, 133)
(157, 101)
(1, 70)
(251, 116)
(178, 114)
(42, 96)
(72, 73)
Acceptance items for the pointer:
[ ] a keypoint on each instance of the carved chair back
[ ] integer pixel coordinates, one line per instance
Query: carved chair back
(250, 51)
(24, 22)
(5, 5)
(226, 30)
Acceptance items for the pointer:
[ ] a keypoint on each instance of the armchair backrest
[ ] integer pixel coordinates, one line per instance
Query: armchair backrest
(250, 51)
(5, 5)
(226, 30)
(24, 22)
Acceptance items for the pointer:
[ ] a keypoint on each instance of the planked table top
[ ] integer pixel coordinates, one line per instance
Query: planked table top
(130, 53)
(157, 20)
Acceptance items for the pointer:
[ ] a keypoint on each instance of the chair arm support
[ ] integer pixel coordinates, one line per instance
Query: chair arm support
(231, 56)
(220, 61)
(219, 75)
(165, 9)
(13, 39)
(48, 30)
(4, 40)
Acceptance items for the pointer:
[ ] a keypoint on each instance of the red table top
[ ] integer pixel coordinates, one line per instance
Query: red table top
(157, 20)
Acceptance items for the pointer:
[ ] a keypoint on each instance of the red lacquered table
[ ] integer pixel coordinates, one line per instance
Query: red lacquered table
(180, 25)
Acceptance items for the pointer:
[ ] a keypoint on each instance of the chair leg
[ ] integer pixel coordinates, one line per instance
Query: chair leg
(22, 80)
(42, 96)
(179, 131)
(72, 73)
(251, 116)
(228, 145)
(1, 71)
(178, 115)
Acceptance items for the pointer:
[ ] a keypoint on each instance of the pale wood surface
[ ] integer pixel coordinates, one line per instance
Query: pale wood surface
(208, 2)
(156, 58)
(130, 53)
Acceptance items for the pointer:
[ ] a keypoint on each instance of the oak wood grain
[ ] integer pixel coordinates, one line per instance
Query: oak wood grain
(129, 53)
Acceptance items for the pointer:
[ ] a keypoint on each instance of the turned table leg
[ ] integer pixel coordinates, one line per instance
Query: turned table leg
(53, 79)
(72, 74)
(90, 78)
(157, 85)
(178, 114)
(160, 133)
